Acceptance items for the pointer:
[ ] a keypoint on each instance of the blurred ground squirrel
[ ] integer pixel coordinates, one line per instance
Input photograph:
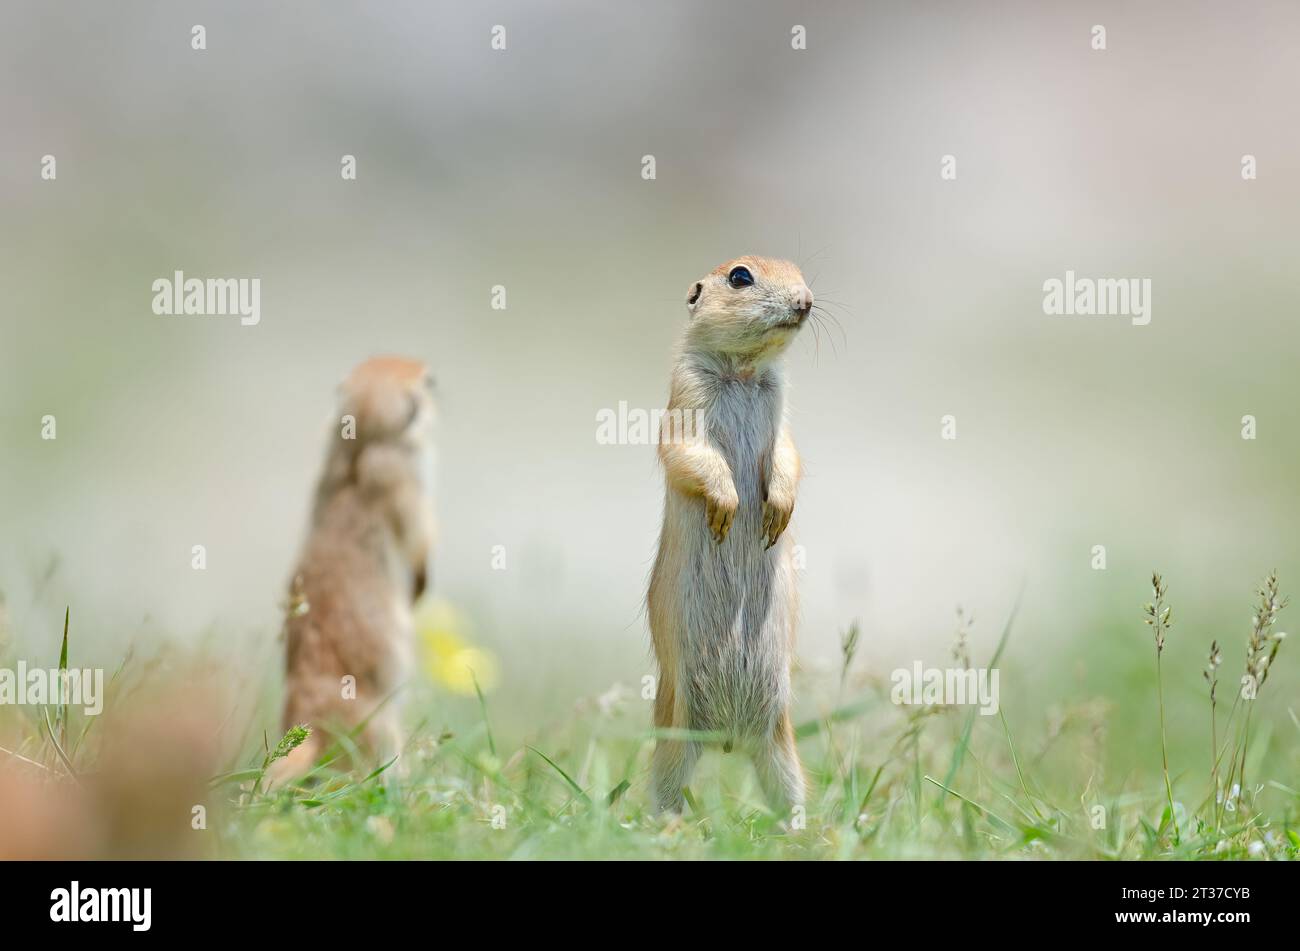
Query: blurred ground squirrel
(364, 564)
(723, 604)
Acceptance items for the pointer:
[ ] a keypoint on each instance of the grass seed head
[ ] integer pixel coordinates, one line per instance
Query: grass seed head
(1158, 614)
(1264, 642)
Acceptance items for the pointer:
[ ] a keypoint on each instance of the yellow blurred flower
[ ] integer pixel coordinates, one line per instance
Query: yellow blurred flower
(449, 658)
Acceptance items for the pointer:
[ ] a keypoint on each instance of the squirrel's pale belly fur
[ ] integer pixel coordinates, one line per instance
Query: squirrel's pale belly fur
(722, 602)
(733, 605)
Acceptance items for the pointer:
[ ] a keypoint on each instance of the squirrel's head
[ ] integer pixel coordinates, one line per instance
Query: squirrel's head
(391, 399)
(751, 306)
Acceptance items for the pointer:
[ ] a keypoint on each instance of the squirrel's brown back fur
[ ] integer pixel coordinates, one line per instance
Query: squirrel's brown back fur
(349, 628)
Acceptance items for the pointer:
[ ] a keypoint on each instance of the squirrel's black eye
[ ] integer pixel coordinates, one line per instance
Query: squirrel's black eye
(740, 277)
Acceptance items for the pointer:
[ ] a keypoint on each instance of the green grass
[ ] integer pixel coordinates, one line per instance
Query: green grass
(1037, 781)
(874, 794)
(885, 782)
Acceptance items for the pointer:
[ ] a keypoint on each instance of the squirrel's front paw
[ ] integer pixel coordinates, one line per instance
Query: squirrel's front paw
(776, 516)
(719, 510)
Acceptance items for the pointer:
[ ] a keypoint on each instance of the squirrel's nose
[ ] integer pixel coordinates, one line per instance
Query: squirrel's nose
(802, 301)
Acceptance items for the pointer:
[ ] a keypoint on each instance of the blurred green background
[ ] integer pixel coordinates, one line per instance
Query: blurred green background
(522, 168)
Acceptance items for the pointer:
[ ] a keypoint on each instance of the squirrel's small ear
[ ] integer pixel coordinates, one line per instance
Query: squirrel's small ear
(693, 295)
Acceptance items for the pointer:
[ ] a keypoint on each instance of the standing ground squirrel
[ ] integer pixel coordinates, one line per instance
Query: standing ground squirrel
(723, 603)
(363, 565)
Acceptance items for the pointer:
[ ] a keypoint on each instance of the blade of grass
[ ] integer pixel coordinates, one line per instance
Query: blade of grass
(847, 711)
(482, 705)
(23, 759)
(959, 753)
(871, 787)
(90, 721)
(347, 789)
(685, 735)
(61, 710)
(67, 763)
(616, 793)
(1016, 760)
(971, 802)
(236, 776)
(567, 778)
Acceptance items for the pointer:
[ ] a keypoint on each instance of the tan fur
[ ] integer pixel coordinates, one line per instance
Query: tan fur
(722, 601)
(363, 565)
